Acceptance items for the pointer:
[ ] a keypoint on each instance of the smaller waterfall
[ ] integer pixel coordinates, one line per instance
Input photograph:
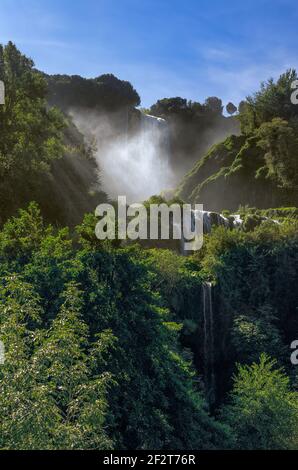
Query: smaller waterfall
(211, 219)
(2, 92)
(2, 353)
(237, 222)
(209, 356)
(206, 220)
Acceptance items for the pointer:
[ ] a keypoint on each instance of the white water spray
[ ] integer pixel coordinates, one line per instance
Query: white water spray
(134, 164)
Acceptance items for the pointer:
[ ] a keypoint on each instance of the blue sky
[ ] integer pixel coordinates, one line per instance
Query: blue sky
(188, 48)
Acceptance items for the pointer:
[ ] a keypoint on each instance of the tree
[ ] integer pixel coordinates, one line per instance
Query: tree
(31, 133)
(214, 104)
(263, 411)
(273, 100)
(231, 108)
(65, 368)
(29, 415)
(279, 139)
(21, 235)
(104, 92)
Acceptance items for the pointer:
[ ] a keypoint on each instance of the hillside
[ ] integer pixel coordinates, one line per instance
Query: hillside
(257, 168)
(43, 156)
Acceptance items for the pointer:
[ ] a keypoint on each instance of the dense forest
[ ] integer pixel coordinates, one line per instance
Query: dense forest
(110, 345)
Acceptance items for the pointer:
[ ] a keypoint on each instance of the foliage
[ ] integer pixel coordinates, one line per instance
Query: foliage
(259, 167)
(273, 100)
(31, 134)
(52, 393)
(42, 155)
(105, 92)
(280, 141)
(98, 350)
(263, 411)
(193, 127)
(231, 108)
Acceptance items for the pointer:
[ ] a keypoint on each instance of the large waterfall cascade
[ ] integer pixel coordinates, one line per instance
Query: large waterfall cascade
(143, 158)
(132, 152)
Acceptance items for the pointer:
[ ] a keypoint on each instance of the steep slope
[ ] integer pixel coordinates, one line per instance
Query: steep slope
(259, 167)
(229, 176)
(71, 187)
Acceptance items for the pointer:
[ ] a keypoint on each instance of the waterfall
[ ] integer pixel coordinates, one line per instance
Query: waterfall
(155, 130)
(208, 341)
(210, 219)
(142, 159)
(2, 92)
(152, 121)
(237, 220)
(2, 353)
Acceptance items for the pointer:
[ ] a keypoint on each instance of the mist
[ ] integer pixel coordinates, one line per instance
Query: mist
(133, 159)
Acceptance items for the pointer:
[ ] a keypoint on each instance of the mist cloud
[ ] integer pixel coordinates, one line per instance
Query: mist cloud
(132, 164)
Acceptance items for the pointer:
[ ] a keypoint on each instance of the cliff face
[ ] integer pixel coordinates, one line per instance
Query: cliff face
(230, 175)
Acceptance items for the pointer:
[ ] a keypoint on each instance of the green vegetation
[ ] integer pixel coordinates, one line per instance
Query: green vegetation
(42, 155)
(194, 127)
(106, 92)
(263, 410)
(105, 342)
(259, 167)
(95, 347)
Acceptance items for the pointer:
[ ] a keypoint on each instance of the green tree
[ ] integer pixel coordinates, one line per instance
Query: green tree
(214, 105)
(231, 108)
(273, 100)
(29, 415)
(154, 402)
(31, 133)
(66, 368)
(279, 139)
(263, 410)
